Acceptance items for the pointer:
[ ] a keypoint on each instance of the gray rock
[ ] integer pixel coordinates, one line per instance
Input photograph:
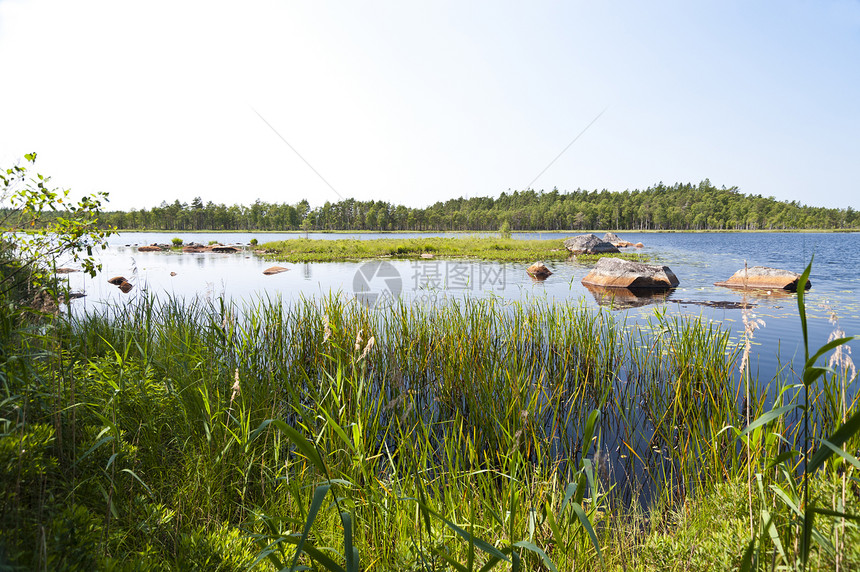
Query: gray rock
(764, 278)
(616, 240)
(588, 244)
(617, 273)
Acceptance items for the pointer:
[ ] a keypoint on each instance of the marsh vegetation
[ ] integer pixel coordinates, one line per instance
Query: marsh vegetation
(167, 435)
(484, 248)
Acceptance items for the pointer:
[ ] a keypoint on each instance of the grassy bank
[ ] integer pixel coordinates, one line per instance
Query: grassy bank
(475, 435)
(501, 249)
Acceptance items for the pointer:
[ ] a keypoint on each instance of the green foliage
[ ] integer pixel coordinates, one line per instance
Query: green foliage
(253, 242)
(41, 225)
(682, 206)
(469, 436)
(787, 482)
(176, 241)
(505, 230)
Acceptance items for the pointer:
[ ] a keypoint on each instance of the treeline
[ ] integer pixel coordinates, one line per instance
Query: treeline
(661, 207)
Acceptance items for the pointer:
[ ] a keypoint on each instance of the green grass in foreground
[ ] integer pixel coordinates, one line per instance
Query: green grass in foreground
(468, 436)
(501, 249)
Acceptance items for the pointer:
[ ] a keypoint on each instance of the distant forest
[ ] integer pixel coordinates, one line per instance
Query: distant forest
(661, 207)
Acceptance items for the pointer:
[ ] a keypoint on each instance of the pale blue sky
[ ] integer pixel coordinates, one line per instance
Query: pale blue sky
(415, 103)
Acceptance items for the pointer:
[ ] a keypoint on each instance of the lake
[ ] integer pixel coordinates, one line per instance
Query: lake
(698, 259)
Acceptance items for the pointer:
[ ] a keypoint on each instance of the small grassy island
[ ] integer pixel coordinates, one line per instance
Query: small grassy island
(501, 249)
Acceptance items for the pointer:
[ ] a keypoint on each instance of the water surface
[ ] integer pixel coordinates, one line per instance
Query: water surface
(698, 259)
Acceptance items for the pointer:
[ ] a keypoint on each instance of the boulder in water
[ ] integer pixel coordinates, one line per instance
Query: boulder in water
(588, 244)
(539, 270)
(764, 278)
(615, 240)
(617, 273)
(274, 270)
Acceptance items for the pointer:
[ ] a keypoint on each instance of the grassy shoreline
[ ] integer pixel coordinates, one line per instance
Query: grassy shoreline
(496, 249)
(178, 436)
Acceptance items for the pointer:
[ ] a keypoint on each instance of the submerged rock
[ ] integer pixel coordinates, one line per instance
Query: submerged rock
(274, 270)
(126, 287)
(224, 249)
(589, 244)
(639, 245)
(618, 273)
(764, 278)
(539, 270)
(116, 280)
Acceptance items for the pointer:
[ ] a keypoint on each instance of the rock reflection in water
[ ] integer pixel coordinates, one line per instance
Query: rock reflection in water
(624, 298)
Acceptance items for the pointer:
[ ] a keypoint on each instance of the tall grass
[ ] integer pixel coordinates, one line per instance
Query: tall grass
(468, 436)
(486, 248)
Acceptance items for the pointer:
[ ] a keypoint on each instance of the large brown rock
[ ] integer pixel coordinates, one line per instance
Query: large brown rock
(615, 240)
(152, 248)
(274, 270)
(539, 270)
(617, 273)
(126, 287)
(588, 244)
(116, 280)
(764, 278)
(194, 247)
(224, 249)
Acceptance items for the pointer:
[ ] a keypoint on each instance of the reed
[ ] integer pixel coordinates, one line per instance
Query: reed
(472, 435)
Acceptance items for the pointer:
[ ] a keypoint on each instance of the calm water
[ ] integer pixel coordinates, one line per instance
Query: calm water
(697, 259)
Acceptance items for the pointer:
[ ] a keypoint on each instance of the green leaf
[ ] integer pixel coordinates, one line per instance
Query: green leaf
(133, 474)
(588, 434)
(827, 347)
(98, 444)
(842, 453)
(350, 551)
(302, 444)
(586, 524)
(801, 306)
(537, 550)
(767, 418)
(316, 503)
(842, 434)
(468, 537)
